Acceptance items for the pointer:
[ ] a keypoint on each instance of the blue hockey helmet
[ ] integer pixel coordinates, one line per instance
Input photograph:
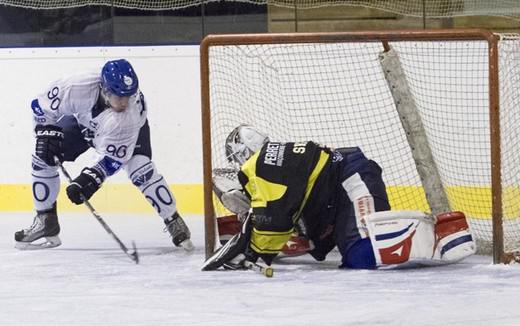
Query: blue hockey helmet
(119, 78)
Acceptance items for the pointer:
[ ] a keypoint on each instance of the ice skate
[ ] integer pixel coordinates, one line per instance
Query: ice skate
(179, 232)
(42, 234)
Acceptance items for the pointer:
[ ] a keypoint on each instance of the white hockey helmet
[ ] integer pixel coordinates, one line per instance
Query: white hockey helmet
(243, 142)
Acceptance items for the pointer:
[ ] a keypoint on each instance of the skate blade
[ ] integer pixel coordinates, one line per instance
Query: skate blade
(50, 242)
(187, 245)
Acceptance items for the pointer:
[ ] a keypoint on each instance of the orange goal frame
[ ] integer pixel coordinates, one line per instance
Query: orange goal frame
(364, 36)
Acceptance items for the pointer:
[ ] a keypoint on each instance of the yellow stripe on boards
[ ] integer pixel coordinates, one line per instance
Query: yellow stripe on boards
(114, 198)
(15, 197)
(475, 202)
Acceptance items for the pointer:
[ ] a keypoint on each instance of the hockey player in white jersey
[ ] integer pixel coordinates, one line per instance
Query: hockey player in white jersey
(105, 111)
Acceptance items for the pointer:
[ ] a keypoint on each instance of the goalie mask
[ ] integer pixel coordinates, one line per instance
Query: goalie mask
(243, 142)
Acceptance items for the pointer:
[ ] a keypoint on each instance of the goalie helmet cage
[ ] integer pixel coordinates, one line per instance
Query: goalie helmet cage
(334, 88)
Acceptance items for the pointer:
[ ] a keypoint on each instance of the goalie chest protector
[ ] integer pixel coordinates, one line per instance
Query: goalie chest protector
(287, 181)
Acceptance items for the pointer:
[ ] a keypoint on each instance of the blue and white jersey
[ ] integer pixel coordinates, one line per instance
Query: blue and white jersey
(114, 134)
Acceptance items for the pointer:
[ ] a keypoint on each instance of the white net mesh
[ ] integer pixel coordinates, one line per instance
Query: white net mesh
(428, 8)
(336, 94)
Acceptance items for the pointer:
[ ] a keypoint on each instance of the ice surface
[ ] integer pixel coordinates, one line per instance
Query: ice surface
(88, 281)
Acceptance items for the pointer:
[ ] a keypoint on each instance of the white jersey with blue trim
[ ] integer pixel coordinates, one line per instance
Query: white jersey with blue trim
(114, 133)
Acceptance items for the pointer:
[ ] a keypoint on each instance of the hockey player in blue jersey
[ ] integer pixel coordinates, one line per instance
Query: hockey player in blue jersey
(104, 110)
(336, 198)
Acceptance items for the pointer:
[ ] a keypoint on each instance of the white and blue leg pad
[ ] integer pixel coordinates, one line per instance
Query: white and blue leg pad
(412, 238)
(143, 174)
(455, 247)
(401, 238)
(45, 184)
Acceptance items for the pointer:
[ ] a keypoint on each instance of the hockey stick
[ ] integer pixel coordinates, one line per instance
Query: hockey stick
(268, 271)
(132, 255)
(245, 264)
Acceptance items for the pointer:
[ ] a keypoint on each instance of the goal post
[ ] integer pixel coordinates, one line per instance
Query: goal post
(331, 88)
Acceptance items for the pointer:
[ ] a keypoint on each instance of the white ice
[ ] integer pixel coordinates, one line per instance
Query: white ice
(88, 281)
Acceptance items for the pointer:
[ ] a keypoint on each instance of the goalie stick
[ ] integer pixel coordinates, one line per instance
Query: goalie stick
(132, 255)
(231, 255)
(241, 264)
(268, 271)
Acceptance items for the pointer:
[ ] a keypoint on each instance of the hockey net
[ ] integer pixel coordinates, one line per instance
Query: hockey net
(331, 88)
(418, 8)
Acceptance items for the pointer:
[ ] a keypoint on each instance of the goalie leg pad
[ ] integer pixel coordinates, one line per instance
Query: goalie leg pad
(141, 170)
(411, 239)
(404, 238)
(454, 240)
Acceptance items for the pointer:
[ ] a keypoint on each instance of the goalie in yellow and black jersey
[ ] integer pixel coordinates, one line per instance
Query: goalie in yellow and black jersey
(334, 197)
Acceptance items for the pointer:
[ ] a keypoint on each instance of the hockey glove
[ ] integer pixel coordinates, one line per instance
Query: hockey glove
(49, 143)
(85, 185)
(229, 191)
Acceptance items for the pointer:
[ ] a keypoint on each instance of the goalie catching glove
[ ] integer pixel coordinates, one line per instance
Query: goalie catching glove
(229, 191)
(235, 252)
